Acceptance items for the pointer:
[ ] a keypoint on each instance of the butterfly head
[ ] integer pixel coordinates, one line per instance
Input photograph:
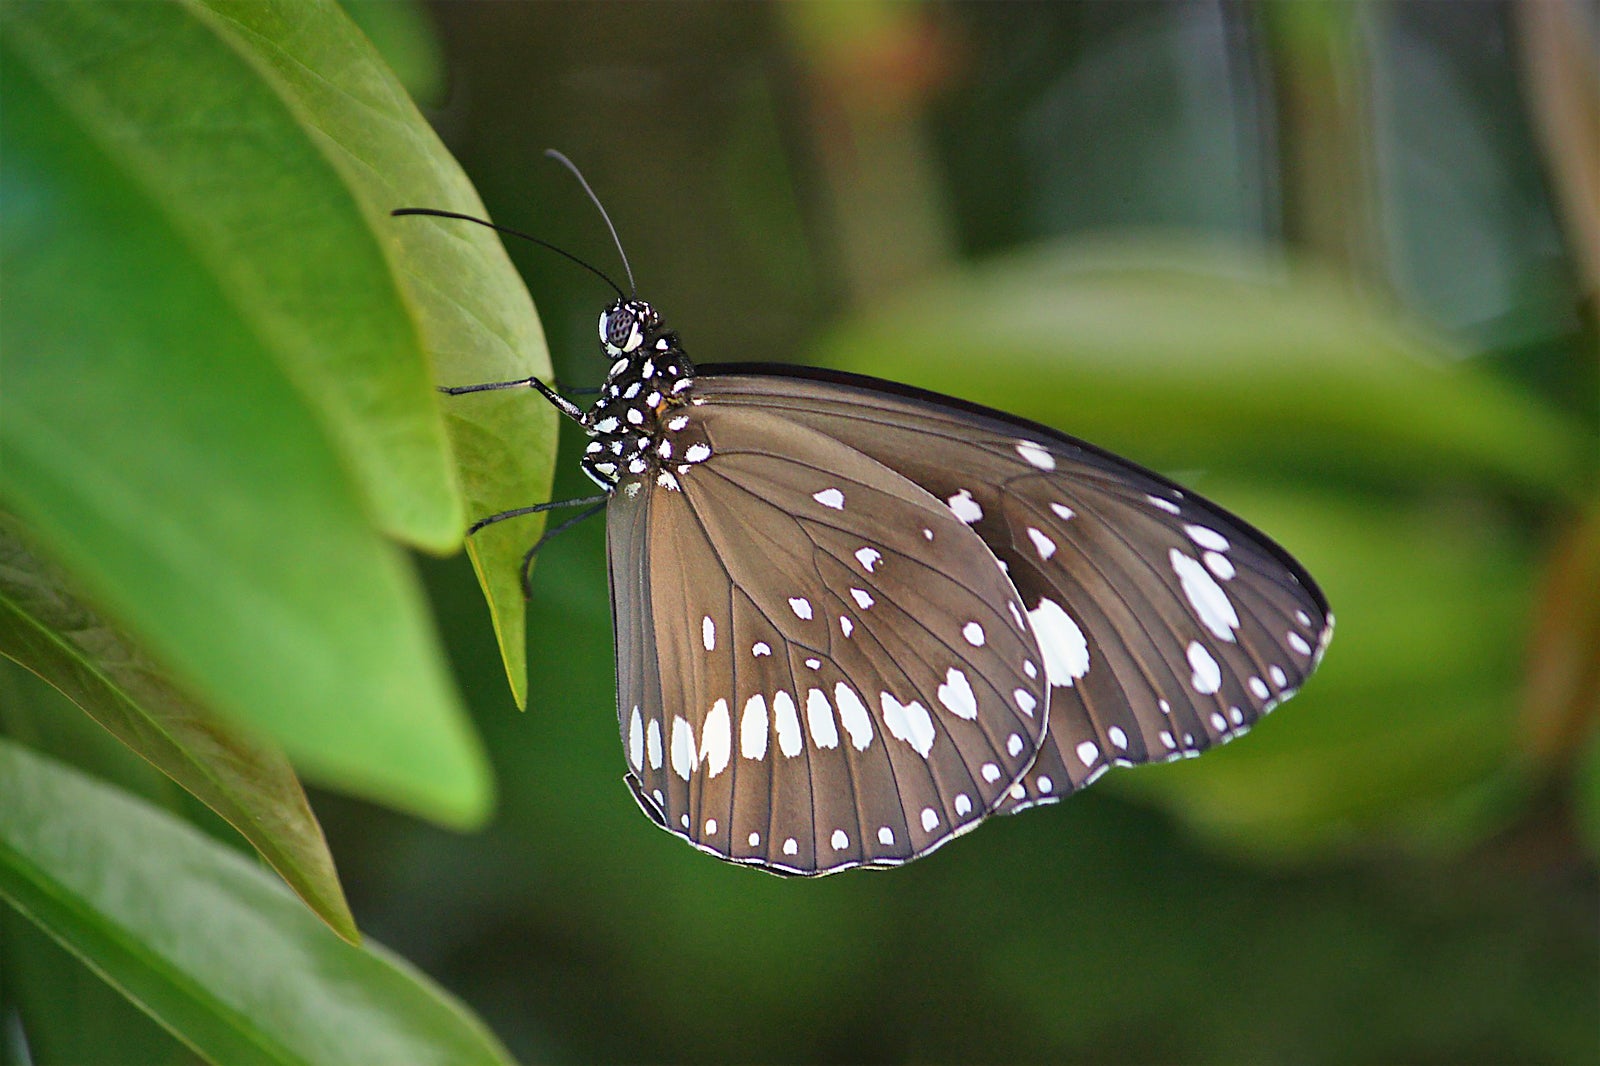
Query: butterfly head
(628, 325)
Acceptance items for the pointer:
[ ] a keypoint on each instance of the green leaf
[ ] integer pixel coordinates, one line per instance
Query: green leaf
(206, 942)
(65, 1012)
(1188, 354)
(399, 30)
(470, 306)
(245, 780)
(249, 166)
(166, 434)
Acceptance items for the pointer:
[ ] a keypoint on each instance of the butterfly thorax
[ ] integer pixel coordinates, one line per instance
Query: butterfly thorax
(633, 422)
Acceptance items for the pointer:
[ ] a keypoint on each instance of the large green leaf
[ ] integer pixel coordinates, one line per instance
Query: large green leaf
(205, 941)
(470, 306)
(245, 780)
(270, 186)
(1185, 354)
(165, 434)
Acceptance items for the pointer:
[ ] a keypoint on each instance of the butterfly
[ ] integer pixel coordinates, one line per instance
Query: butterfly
(853, 619)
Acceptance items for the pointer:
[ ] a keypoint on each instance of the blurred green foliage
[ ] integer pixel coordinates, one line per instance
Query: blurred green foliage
(1306, 258)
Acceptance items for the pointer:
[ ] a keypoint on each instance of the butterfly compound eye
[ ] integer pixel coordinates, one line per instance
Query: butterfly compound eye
(620, 330)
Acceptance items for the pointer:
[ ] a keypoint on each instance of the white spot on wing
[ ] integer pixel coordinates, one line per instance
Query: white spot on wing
(1164, 504)
(697, 453)
(963, 804)
(819, 715)
(886, 836)
(974, 634)
(1259, 687)
(868, 558)
(956, 694)
(1036, 455)
(636, 741)
(862, 598)
(716, 738)
(708, 633)
(788, 724)
(1066, 653)
(1210, 603)
(1207, 538)
(711, 827)
(683, 753)
(1279, 678)
(760, 648)
(801, 607)
(1045, 784)
(908, 722)
(840, 840)
(853, 715)
(1207, 674)
(1014, 744)
(755, 840)
(1025, 700)
(965, 508)
(846, 626)
(1220, 565)
(1062, 510)
(930, 819)
(1298, 643)
(991, 772)
(830, 498)
(790, 847)
(1088, 753)
(653, 743)
(753, 728)
(1044, 544)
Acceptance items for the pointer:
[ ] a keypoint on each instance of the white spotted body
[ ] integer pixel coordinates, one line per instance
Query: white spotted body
(637, 425)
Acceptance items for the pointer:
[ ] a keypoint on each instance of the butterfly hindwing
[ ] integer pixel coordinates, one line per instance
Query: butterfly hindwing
(822, 667)
(1166, 624)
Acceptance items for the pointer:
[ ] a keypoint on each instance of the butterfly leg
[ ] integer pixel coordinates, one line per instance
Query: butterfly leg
(593, 505)
(553, 505)
(597, 503)
(560, 402)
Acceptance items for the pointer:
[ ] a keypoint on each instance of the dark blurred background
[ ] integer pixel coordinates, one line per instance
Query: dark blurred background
(1401, 864)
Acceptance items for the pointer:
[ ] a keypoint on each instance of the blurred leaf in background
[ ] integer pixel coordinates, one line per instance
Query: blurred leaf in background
(1324, 262)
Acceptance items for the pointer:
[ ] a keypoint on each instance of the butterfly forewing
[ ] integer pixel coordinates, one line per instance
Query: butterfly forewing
(1165, 624)
(843, 675)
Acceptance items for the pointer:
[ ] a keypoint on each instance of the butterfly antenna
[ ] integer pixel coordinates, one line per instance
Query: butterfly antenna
(573, 167)
(596, 271)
